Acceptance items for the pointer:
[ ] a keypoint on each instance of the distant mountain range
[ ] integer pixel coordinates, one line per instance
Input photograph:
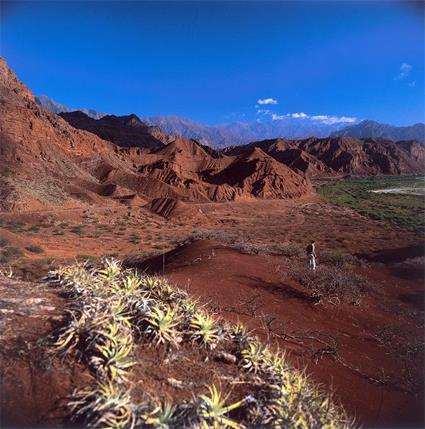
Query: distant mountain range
(375, 130)
(55, 107)
(237, 133)
(73, 160)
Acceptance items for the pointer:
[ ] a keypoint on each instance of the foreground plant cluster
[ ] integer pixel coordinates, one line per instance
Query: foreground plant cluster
(114, 312)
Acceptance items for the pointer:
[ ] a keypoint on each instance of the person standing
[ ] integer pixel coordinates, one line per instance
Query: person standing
(311, 255)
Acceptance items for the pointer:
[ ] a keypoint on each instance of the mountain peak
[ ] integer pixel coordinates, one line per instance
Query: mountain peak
(375, 130)
(124, 131)
(48, 103)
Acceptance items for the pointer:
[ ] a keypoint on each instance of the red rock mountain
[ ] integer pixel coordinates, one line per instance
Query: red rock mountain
(47, 162)
(337, 156)
(125, 131)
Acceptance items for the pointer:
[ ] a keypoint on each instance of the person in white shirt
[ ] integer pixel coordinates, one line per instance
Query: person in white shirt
(311, 255)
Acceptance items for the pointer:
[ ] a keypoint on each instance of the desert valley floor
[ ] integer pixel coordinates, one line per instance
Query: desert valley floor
(238, 258)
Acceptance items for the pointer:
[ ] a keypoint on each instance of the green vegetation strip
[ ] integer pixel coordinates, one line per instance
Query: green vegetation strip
(110, 307)
(405, 210)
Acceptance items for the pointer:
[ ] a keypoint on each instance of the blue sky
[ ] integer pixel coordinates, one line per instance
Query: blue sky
(213, 61)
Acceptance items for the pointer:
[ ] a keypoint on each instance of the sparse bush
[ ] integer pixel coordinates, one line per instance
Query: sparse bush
(76, 230)
(34, 248)
(15, 226)
(332, 283)
(338, 259)
(134, 238)
(9, 253)
(33, 228)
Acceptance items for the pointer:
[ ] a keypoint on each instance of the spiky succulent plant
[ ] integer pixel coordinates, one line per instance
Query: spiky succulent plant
(214, 412)
(274, 365)
(103, 405)
(204, 329)
(151, 283)
(162, 416)
(111, 270)
(239, 334)
(131, 284)
(73, 333)
(112, 353)
(162, 324)
(254, 357)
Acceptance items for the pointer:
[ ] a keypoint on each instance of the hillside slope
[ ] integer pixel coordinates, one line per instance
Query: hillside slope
(342, 155)
(124, 131)
(45, 162)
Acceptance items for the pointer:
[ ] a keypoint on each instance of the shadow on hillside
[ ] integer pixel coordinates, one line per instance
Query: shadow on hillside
(415, 299)
(392, 256)
(282, 290)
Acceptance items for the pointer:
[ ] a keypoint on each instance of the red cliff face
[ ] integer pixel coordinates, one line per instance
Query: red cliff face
(47, 162)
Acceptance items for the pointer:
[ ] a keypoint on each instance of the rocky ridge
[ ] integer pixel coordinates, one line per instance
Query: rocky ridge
(46, 162)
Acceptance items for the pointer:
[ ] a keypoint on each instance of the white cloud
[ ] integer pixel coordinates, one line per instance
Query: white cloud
(325, 119)
(404, 71)
(298, 115)
(263, 101)
(330, 120)
(264, 111)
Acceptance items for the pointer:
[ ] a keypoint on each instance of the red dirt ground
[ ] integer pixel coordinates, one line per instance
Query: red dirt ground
(228, 279)
(370, 354)
(33, 385)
